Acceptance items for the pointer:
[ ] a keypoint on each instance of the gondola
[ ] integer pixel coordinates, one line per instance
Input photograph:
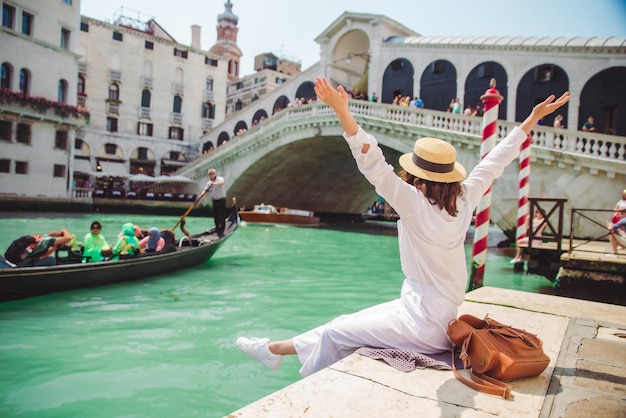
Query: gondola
(71, 273)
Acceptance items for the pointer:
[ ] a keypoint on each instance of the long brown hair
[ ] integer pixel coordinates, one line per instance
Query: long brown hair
(444, 195)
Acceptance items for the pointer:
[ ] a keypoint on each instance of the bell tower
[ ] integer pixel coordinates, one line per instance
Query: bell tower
(227, 40)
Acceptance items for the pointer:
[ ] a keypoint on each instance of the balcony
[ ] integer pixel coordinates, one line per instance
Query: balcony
(209, 95)
(207, 123)
(144, 112)
(81, 99)
(146, 82)
(177, 118)
(115, 75)
(113, 107)
(178, 88)
(82, 67)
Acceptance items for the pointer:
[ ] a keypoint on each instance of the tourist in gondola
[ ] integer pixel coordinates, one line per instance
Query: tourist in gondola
(95, 243)
(435, 202)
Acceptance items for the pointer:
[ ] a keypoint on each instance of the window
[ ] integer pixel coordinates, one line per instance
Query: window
(65, 38)
(24, 81)
(81, 85)
(144, 129)
(8, 16)
(149, 45)
(21, 167)
(280, 81)
(59, 170)
(27, 23)
(180, 53)
(118, 36)
(209, 84)
(211, 62)
(5, 130)
(208, 110)
(23, 133)
(112, 124)
(178, 104)
(5, 165)
(5, 80)
(114, 92)
(142, 153)
(110, 149)
(145, 98)
(60, 140)
(62, 93)
(84, 27)
(176, 133)
(67, 1)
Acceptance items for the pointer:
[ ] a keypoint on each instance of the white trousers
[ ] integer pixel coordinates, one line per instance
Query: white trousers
(417, 321)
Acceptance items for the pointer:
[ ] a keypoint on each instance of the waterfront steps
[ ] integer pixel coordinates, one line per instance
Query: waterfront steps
(586, 376)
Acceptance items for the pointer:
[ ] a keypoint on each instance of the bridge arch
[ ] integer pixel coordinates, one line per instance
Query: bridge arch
(397, 80)
(438, 84)
(605, 91)
(477, 82)
(537, 84)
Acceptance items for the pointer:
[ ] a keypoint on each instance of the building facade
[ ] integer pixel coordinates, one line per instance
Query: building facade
(150, 98)
(38, 109)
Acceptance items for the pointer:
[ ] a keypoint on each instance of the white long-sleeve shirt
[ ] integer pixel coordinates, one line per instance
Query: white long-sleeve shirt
(432, 241)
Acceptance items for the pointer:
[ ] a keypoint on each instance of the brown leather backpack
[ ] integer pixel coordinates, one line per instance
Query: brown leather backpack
(496, 353)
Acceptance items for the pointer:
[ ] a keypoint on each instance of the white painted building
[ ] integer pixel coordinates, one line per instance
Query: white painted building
(38, 113)
(150, 98)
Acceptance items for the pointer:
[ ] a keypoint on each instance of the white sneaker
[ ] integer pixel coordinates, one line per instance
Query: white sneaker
(258, 348)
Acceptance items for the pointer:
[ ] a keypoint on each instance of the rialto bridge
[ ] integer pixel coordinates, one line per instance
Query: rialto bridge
(298, 158)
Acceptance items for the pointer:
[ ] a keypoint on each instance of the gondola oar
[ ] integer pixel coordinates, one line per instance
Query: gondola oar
(189, 210)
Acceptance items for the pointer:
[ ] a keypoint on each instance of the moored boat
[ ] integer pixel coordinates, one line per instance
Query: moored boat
(270, 214)
(70, 273)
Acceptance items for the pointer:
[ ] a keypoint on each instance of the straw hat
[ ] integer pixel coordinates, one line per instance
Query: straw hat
(434, 160)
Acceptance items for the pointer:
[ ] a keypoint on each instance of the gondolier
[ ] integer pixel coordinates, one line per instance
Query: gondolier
(217, 189)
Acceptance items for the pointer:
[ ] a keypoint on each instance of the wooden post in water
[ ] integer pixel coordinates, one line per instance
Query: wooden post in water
(491, 103)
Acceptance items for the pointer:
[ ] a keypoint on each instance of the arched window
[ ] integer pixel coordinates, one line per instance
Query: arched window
(208, 110)
(114, 92)
(62, 93)
(145, 98)
(5, 81)
(178, 104)
(24, 81)
(81, 85)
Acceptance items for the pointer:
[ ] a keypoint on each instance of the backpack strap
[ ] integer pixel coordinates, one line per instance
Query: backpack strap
(482, 383)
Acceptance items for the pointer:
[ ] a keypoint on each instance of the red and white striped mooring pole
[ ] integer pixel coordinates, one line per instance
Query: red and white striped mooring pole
(524, 190)
(491, 103)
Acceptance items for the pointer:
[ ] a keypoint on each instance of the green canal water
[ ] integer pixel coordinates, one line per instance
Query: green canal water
(165, 346)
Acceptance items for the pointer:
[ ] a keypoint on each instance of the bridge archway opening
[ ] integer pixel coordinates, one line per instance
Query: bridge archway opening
(350, 59)
(438, 85)
(240, 128)
(207, 146)
(259, 116)
(222, 138)
(306, 91)
(477, 83)
(397, 80)
(280, 103)
(603, 98)
(295, 182)
(538, 83)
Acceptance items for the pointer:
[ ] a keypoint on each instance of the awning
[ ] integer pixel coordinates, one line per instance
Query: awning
(82, 166)
(174, 163)
(113, 169)
(141, 178)
(174, 179)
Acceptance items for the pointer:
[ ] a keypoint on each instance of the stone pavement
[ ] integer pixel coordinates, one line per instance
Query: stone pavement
(586, 342)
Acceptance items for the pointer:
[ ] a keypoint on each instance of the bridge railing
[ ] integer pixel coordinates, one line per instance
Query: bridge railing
(589, 144)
